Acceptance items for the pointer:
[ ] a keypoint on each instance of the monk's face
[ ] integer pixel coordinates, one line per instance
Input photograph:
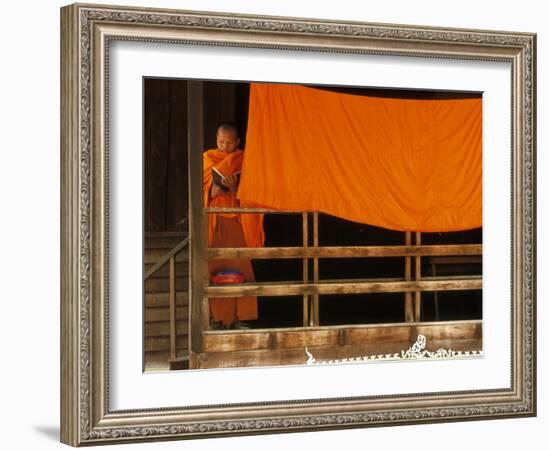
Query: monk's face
(227, 140)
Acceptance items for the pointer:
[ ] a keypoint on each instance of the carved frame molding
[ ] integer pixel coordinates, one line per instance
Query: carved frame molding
(87, 31)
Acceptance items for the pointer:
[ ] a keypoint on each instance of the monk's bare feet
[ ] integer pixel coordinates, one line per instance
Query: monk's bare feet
(238, 325)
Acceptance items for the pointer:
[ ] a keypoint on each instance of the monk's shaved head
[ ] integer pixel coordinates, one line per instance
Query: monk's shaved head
(228, 127)
(227, 137)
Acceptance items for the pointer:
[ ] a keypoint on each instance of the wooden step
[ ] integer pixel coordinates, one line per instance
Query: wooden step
(163, 242)
(156, 360)
(151, 256)
(155, 344)
(182, 269)
(163, 314)
(164, 234)
(163, 284)
(155, 329)
(161, 359)
(162, 300)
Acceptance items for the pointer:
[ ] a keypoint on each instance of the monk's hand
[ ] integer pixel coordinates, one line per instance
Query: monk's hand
(230, 181)
(216, 190)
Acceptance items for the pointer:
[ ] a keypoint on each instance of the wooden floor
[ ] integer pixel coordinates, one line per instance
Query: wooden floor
(321, 355)
(248, 348)
(298, 356)
(287, 346)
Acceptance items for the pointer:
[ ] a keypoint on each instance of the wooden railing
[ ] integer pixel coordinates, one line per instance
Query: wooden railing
(170, 258)
(412, 284)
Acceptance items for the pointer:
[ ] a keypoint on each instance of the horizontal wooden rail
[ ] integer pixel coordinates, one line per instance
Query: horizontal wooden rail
(389, 326)
(348, 287)
(214, 210)
(342, 252)
(287, 345)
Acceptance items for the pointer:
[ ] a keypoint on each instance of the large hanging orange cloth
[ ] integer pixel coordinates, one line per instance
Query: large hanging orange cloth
(402, 164)
(230, 230)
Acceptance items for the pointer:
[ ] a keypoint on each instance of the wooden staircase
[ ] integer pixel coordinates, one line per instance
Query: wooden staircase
(157, 302)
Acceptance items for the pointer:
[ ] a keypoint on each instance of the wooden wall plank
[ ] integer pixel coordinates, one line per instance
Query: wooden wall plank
(156, 144)
(155, 329)
(163, 314)
(151, 256)
(162, 284)
(450, 331)
(161, 343)
(161, 300)
(377, 335)
(177, 202)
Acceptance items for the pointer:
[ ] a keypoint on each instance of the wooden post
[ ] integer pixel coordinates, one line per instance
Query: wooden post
(315, 306)
(305, 263)
(197, 216)
(408, 295)
(173, 319)
(436, 299)
(205, 305)
(417, 277)
(205, 314)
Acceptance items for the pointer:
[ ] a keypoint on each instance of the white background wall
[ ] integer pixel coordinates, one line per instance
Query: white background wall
(29, 237)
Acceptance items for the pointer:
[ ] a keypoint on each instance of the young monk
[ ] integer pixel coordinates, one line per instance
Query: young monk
(229, 229)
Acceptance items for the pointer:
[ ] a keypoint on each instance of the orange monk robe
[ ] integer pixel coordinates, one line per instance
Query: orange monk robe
(230, 230)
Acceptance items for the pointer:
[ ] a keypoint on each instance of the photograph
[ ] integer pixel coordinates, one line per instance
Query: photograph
(282, 224)
(344, 224)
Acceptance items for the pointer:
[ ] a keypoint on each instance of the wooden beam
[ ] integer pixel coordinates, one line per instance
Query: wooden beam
(205, 314)
(305, 268)
(221, 342)
(347, 287)
(387, 325)
(341, 252)
(217, 210)
(197, 217)
(315, 299)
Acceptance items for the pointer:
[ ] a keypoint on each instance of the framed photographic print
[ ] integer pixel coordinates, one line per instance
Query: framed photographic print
(279, 224)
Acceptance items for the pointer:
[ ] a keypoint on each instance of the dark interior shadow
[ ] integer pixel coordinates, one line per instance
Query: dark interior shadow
(51, 432)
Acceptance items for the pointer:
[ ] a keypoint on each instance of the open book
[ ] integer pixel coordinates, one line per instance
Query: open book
(218, 176)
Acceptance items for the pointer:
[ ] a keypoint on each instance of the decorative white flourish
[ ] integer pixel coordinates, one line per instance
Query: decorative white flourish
(417, 351)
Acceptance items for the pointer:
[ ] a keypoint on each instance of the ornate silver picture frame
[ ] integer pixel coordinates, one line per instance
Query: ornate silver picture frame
(87, 413)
